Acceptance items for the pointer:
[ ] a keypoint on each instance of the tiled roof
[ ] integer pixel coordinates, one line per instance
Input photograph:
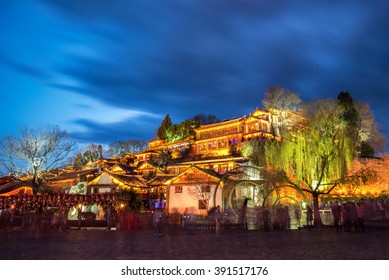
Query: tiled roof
(6, 179)
(9, 186)
(73, 175)
(131, 180)
(210, 172)
(126, 168)
(159, 180)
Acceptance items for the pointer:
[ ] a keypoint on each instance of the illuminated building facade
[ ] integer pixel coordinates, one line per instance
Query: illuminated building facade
(214, 152)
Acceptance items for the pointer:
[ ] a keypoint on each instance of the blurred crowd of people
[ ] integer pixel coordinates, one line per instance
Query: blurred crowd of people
(351, 215)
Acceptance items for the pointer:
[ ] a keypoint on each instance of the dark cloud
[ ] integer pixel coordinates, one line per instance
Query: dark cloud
(187, 57)
(94, 132)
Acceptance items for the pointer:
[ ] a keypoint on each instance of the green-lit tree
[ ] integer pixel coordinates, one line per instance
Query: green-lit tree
(352, 120)
(315, 159)
(361, 126)
(178, 131)
(165, 126)
(255, 151)
(348, 112)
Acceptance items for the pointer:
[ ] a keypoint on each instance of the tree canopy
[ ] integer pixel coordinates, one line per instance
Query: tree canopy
(315, 158)
(121, 148)
(34, 151)
(88, 157)
(280, 101)
(361, 125)
(175, 132)
(202, 119)
(165, 126)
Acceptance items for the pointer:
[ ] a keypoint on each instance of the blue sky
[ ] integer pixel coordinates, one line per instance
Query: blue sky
(111, 70)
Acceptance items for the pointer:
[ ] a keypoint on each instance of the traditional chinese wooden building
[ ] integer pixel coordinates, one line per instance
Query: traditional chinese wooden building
(192, 190)
(64, 180)
(11, 186)
(214, 150)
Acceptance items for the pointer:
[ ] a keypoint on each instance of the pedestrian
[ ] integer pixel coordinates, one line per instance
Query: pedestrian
(276, 221)
(297, 214)
(360, 213)
(381, 209)
(353, 215)
(259, 218)
(346, 215)
(242, 213)
(286, 218)
(337, 214)
(158, 219)
(309, 216)
(218, 220)
(266, 217)
(185, 218)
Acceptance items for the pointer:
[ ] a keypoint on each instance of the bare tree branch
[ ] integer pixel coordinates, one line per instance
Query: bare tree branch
(33, 152)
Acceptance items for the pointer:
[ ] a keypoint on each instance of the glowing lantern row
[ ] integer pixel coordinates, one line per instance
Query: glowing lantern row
(33, 202)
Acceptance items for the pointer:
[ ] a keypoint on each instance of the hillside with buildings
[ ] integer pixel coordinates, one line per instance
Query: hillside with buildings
(192, 173)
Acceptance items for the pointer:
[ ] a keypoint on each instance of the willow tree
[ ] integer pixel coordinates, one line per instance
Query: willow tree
(255, 151)
(315, 157)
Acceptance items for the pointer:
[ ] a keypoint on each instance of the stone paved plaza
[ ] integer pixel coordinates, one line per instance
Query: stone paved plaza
(303, 244)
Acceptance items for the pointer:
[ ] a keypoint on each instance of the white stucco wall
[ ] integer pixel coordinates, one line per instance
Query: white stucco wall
(179, 202)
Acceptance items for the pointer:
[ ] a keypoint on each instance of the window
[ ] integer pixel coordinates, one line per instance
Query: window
(222, 144)
(202, 204)
(205, 189)
(223, 169)
(178, 189)
(211, 145)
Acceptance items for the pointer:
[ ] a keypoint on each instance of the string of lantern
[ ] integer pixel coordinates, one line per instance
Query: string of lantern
(60, 201)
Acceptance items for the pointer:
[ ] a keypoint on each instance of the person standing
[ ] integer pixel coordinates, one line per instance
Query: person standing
(346, 215)
(336, 210)
(360, 219)
(266, 217)
(297, 214)
(309, 216)
(286, 218)
(158, 219)
(218, 220)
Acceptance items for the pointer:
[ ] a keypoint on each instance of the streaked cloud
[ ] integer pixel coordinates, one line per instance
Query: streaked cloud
(138, 60)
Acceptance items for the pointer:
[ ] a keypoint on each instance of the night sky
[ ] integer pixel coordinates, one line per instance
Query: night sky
(112, 70)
